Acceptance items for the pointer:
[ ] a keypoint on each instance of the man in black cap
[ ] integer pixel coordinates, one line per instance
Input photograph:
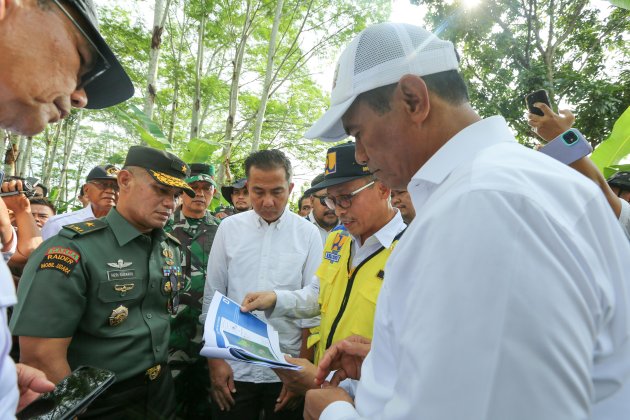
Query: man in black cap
(101, 189)
(237, 195)
(194, 226)
(350, 276)
(100, 293)
(52, 58)
(322, 216)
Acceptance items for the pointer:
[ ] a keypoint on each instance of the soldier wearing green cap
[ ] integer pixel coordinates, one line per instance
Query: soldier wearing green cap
(101, 292)
(194, 226)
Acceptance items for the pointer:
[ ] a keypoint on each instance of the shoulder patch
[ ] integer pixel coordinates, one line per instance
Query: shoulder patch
(172, 238)
(60, 259)
(84, 228)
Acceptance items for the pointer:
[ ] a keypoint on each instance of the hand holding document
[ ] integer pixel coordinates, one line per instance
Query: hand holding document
(235, 335)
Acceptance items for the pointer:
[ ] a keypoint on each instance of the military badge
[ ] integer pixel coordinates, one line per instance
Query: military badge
(120, 264)
(118, 316)
(124, 288)
(61, 259)
(168, 253)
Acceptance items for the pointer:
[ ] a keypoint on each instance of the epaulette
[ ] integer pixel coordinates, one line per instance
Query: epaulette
(82, 228)
(172, 238)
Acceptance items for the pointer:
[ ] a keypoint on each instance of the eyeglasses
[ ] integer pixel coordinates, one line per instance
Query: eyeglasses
(104, 185)
(99, 66)
(344, 201)
(320, 198)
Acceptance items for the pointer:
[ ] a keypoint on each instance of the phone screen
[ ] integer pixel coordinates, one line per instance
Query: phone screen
(538, 96)
(70, 396)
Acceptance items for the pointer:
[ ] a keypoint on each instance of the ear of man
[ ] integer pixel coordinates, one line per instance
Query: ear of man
(414, 94)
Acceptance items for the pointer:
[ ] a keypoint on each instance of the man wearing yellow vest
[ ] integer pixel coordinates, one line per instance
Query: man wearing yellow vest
(351, 273)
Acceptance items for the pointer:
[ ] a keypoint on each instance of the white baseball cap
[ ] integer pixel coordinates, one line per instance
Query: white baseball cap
(379, 56)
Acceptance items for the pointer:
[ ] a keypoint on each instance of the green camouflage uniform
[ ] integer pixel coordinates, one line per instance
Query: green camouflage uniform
(190, 370)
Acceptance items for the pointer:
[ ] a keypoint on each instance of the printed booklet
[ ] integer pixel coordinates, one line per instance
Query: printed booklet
(235, 335)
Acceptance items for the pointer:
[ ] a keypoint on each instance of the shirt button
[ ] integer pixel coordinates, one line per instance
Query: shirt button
(149, 316)
(157, 349)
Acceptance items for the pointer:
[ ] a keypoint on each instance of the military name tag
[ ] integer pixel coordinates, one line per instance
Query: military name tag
(118, 316)
(121, 274)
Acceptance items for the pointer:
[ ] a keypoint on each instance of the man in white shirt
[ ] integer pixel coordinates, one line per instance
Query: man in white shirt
(323, 217)
(508, 296)
(101, 189)
(268, 247)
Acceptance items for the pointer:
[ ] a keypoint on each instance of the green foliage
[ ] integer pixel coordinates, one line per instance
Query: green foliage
(570, 48)
(616, 147)
(138, 122)
(621, 3)
(200, 150)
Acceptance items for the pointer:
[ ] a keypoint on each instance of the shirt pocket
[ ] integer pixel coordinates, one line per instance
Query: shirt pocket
(363, 322)
(288, 270)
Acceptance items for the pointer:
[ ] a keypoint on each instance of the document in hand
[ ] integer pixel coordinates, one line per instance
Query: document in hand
(235, 335)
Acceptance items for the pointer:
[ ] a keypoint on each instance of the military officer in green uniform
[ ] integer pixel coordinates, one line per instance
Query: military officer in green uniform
(101, 292)
(194, 227)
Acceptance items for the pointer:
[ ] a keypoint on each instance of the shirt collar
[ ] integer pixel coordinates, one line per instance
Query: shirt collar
(123, 230)
(87, 210)
(277, 224)
(385, 235)
(461, 148)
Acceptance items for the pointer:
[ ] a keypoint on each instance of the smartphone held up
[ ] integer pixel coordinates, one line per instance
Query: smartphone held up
(534, 97)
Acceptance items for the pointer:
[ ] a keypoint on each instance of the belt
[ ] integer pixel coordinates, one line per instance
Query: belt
(148, 376)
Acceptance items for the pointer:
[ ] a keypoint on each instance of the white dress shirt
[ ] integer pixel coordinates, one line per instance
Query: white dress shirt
(624, 216)
(55, 223)
(248, 254)
(506, 299)
(9, 394)
(303, 303)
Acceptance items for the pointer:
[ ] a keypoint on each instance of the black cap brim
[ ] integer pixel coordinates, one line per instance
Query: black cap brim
(333, 181)
(112, 87)
(226, 192)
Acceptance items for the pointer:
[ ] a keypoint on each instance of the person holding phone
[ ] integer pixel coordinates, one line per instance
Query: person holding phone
(550, 125)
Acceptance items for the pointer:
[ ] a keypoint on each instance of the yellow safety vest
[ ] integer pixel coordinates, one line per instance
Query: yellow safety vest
(347, 298)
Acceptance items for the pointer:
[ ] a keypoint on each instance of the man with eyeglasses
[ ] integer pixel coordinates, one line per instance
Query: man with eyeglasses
(52, 58)
(101, 291)
(101, 189)
(194, 226)
(322, 216)
(349, 278)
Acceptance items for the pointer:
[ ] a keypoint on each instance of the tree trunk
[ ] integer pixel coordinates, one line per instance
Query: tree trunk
(161, 9)
(70, 137)
(268, 77)
(194, 121)
(49, 157)
(11, 155)
(25, 146)
(4, 138)
(233, 104)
